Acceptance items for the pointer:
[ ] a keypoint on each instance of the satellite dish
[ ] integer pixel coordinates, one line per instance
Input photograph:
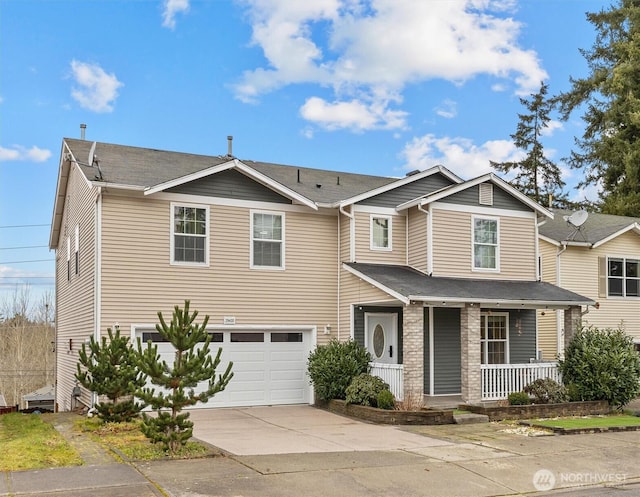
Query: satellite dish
(578, 218)
(91, 154)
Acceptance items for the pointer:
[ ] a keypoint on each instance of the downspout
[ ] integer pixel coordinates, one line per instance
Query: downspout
(352, 232)
(97, 297)
(429, 239)
(559, 321)
(339, 275)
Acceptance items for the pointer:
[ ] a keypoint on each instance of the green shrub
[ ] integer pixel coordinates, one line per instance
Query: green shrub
(519, 399)
(602, 365)
(331, 368)
(546, 391)
(573, 392)
(386, 400)
(364, 390)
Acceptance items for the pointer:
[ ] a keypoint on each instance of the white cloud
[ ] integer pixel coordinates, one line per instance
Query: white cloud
(551, 127)
(447, 109)
(20, 153)
(96, 90)
(171, 9)
(377, 47)
(458, 154)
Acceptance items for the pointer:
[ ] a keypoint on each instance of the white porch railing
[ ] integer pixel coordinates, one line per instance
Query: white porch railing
(499, 380)
(392, 374)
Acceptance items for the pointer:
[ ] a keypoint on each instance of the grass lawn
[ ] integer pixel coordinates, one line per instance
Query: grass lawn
(589, 422)
(27, 441)
(128, 440)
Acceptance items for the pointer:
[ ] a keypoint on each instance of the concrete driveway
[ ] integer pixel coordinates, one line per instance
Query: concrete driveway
(298, 429)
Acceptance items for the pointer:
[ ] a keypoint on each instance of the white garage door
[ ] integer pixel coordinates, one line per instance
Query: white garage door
(269, 366)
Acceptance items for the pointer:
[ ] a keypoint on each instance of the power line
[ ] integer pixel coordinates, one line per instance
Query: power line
(25, 225)
(25, 247)
(23, 262)
(29, 277)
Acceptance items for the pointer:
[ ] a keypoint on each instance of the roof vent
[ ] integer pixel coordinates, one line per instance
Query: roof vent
(230, 146)
(83, 128)
(413, 173)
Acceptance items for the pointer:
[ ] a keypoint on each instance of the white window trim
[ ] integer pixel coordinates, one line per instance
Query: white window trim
(173, 262)
(281, 267)
(390, 234)
(507, 359)
(624, 278)
(473, 244)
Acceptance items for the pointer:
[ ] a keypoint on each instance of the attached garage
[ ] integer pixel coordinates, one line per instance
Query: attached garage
(269, 364)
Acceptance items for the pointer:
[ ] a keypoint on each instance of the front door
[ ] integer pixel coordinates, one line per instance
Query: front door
(381, 336)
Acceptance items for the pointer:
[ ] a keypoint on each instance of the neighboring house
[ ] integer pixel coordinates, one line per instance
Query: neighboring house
(597, 255)
(43, 398)
(436, 276)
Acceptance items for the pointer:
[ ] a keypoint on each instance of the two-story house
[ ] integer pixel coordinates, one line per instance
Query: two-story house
(436, 276)
(597, 255)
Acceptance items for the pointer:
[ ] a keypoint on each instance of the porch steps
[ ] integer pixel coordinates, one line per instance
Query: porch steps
(470, 418)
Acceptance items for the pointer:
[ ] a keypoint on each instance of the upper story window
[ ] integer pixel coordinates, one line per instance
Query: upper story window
(485, 244)
(623, 277)
(380, 232)
(267, 240)
(189, 234)
(494, 338)
(77, 252)
(68, 258)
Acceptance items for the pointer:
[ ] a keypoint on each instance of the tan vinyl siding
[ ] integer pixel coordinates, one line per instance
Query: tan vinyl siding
(547, 319)
(353, 290)
(74, 298)
(418, 239)
(452, 247)
(345, 238)
(138, 279)
(579, 270)
(398, 254)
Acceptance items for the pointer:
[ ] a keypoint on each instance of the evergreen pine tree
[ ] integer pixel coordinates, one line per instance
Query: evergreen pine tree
(192, 365)
(109, 369)
(536, 176)
(609, 150)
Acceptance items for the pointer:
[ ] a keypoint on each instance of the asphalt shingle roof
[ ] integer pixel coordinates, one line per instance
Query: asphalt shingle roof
(416, 285)
(597, 227)
(144, 167)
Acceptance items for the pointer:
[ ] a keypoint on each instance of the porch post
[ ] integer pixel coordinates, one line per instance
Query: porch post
(470, 353)
(572, 322)
(413, 352)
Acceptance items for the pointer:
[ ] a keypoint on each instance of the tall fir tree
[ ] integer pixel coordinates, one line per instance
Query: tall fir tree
(535, 175)
(109, 369)
(192, 365)
(609, 150)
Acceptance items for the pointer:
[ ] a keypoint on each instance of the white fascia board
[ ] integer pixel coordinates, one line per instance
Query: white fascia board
(189, 177)
(119, 186)
(64, 169)
(377, 284)
(507, 304)
(434, 197)
(549, 240)
(246, 170)
(632, 227)
(398, 183)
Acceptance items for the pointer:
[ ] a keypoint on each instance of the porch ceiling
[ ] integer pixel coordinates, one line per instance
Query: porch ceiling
(408, 284)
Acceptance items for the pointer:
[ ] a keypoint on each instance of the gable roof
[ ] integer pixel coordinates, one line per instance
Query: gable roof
(489, 177)
(408, 284)
(596, 230)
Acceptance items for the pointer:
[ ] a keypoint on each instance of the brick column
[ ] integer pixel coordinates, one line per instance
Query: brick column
(413, 352)
(470, 353)
(572, 322)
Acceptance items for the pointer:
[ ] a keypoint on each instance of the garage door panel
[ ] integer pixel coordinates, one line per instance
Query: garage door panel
(269, 367)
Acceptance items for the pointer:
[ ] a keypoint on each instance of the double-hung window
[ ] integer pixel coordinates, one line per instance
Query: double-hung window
(267, 240)
(623, 277)
(494, 338)
(189, 234)
(486, 254)
(380, 232)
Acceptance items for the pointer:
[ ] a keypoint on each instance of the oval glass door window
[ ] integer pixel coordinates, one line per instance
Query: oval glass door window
(378, 341)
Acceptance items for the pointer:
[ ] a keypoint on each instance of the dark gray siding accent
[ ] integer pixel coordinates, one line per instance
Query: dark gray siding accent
(358, 324)
(446, 357)
(522, 342)
(501, 199)
(408, 192)
(230, 184)
(427, 368)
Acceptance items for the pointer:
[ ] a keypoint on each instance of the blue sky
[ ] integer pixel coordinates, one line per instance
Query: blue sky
(372, 86)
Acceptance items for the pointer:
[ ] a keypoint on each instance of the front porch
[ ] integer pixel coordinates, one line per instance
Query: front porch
(497, 381)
